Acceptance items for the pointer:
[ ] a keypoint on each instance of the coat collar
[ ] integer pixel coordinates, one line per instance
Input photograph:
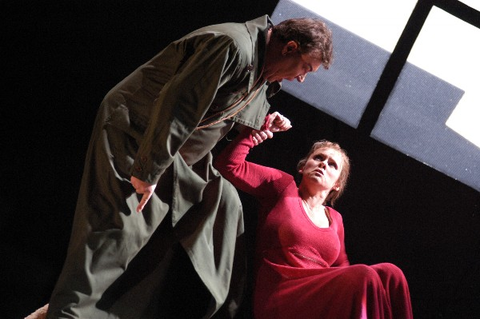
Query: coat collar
(257, 30)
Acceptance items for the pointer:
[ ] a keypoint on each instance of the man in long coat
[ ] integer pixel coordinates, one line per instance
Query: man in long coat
(154, 131)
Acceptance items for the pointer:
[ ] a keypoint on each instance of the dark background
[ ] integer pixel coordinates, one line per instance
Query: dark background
(59, 58)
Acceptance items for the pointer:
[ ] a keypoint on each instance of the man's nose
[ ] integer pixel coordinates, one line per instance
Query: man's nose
(301, 78)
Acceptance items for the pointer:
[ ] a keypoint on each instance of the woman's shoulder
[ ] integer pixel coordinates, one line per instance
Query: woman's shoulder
(335, 214)
(290, 187)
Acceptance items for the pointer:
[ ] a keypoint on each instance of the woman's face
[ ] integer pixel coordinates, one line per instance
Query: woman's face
(322, 169)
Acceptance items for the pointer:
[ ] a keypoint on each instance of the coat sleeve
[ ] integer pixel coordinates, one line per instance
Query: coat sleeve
(209, 62)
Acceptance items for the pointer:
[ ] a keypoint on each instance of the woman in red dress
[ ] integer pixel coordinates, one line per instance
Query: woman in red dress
(302, 269)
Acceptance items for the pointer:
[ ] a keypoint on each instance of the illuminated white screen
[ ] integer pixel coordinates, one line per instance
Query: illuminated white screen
(445, 48)
(432, 111)
(362, 47)
(472, 3)
(436, 50)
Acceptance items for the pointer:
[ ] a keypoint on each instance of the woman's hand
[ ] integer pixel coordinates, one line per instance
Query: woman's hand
(260, 136)
(144, 188)
(274, 123)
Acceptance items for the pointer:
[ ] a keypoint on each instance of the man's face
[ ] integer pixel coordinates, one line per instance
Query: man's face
(290, 65)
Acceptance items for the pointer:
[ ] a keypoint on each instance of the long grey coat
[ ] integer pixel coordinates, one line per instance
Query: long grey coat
(160, 124)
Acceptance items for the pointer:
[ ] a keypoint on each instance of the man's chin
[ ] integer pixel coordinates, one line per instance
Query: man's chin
(271, 79)
(279, 80)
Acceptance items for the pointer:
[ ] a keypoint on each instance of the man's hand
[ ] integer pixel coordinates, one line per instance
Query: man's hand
(144, 188)
(278, 123)
(275, 123)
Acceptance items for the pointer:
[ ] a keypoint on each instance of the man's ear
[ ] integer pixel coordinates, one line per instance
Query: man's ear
(290, 47)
